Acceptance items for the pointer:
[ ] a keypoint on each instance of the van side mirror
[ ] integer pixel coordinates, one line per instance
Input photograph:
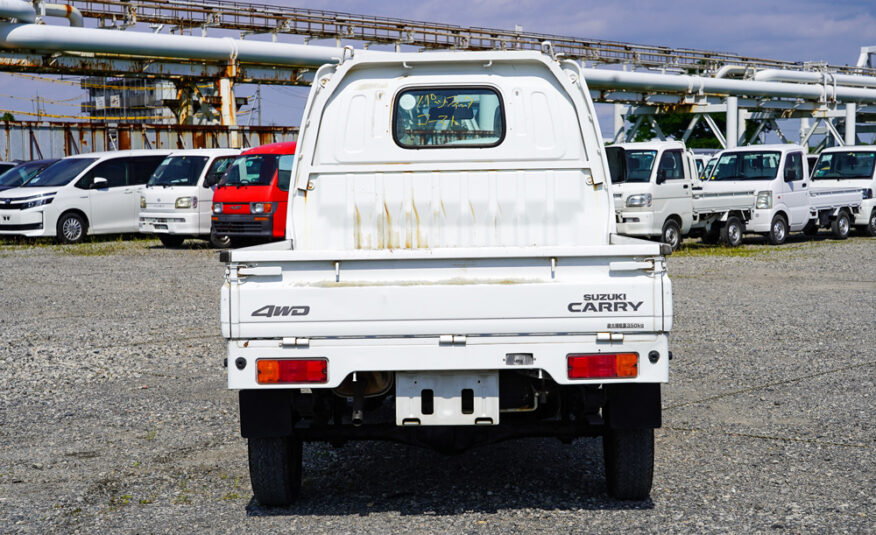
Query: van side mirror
(99, 182)
(661, 176)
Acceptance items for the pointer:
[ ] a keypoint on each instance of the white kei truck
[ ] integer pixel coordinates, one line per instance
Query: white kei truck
(766, 189)
(451, 274)
(653, 185)
(177, 201)
(850, 166)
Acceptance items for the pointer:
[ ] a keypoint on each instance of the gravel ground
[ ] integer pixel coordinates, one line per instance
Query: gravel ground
(114, 416)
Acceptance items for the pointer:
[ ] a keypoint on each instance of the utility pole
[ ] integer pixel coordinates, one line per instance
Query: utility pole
(259, 100)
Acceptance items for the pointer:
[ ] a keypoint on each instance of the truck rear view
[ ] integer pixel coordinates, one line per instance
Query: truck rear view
(451, 275)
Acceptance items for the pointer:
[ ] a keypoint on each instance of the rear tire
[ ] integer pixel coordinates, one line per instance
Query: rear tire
(220, 242)
(870, 229)
(811, 228)
(629, 462)
(275, 469)
(778, 230)
(671, 234)
(841, 226)
(71, 228)
(731, 232)
(171, 241)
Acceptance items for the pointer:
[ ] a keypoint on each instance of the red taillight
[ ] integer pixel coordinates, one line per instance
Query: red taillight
(292, 371)
(603, 365)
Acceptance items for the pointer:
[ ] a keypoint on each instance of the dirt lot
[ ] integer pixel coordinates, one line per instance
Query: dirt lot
(114, 415)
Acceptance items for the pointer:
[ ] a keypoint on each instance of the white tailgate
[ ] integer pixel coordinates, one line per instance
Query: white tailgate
(431, 297)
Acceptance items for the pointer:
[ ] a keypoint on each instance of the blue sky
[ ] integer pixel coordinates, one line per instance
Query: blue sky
(800, 30)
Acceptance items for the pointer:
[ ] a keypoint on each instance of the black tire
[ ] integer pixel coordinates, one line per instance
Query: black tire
(219, 241)
(731, 231)
(870, 229)
(629, 462)
(811, 228)
(713, 235)
(671, 234)
(778, 230)
(71, 228)
(841, 225)
(275, 469)
(171, 241)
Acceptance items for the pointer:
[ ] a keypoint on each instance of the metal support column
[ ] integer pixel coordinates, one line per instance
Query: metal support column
(732, 133)
(618, 133)
(851, 120)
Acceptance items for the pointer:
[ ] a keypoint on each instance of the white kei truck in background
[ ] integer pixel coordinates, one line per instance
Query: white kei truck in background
(451, 275)
(766, 189)
(850, 166)
(177, 201)
(653, 184)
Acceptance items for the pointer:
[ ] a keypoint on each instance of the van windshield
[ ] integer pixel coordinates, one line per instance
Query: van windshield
(841, 165)
(178, 171)
(639, 165)
(22, 173)
(60, 173)
(251, 170)
(759, 165)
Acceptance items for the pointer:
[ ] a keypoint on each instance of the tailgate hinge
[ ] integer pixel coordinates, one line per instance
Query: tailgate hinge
(296, 342)
(451, 340)
(609, 337)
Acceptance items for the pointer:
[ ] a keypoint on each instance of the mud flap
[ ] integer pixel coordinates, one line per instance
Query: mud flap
(633, 406)
(265, 413)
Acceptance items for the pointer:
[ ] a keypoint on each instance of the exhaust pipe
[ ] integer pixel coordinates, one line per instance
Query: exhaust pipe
(359, 404)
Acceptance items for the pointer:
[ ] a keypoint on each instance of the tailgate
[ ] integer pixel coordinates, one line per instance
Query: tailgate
(705, 201)
(516, 291)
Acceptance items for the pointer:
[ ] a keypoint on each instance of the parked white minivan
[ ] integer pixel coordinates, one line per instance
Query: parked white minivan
(176, 202)
(94, 193)
(652, 184)
(850, 166)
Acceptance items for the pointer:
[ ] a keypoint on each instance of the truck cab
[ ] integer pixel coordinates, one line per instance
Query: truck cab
(850, 166)
(249, 203)
(766, 189)
(652, 186)
(176, 202)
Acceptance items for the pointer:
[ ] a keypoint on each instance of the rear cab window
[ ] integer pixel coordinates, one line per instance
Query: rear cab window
(445, 117)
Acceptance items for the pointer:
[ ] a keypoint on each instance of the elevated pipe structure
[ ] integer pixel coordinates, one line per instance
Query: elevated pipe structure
(779, 75)
(680, 83)
(64, 11)
(61, 39)
(16, 9)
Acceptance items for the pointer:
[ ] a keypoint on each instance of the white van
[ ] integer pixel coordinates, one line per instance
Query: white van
(850, 166)
(95, 193)
(766, 189)
(652, 183)
(176, 202)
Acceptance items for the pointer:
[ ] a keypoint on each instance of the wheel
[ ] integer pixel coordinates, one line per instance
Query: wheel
(713, 235)
(731, 232)
(220, 242)
(71, 228)
(778, 230)
(841, 225)
(629, 462)
(671, 234)
(171, 241)
(275, 469)
(811, 228)
(870, 229)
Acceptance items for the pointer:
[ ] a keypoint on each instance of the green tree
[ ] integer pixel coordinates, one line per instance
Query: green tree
(7, 117)
(673, 126)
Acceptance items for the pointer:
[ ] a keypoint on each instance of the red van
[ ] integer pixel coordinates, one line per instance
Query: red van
(249, 203)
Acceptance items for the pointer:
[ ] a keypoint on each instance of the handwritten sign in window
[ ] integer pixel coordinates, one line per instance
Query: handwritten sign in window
(448, 117)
